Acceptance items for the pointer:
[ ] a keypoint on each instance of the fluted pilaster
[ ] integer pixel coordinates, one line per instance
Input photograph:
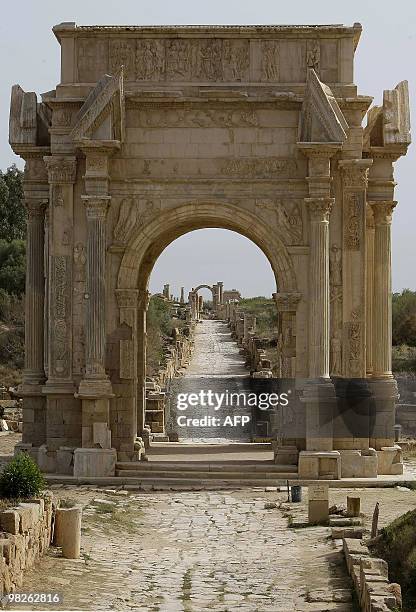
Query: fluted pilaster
(96, 208)
(35, 288)
(320, 209)
(382, 314)
(369, 288)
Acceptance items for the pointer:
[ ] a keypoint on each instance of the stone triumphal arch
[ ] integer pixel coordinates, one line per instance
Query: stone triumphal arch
(156, 131)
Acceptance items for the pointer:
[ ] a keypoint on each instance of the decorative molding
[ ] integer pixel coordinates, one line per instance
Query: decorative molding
(60, 314)
(259, 167)
(200, 117)
(127, 298)
(353, 220)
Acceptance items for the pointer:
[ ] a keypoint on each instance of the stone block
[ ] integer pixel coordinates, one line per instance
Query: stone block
(353, 506)
(65, 460)
(94, 462)
(10, 521)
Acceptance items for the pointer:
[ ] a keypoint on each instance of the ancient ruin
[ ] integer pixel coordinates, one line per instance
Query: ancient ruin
(156, 131)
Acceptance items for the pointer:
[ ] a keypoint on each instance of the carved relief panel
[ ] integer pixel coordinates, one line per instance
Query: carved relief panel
(60, 310)
(199, 59)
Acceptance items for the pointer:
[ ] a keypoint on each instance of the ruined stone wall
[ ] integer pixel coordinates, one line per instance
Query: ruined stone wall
(26, 535)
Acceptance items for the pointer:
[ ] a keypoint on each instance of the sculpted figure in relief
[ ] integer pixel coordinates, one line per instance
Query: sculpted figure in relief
(287, 216)
(178, 61)
(336, 348)
(210, 60)
(270, 61)
(335, 259)
(313, 55)
(236, 59)
(149, 60)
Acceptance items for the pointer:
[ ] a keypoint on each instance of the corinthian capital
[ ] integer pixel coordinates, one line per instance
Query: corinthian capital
(61, 169)
(287, 302)
(96, 206)
(35, 207)
(320, 208)
(383, 211)
(355, 172)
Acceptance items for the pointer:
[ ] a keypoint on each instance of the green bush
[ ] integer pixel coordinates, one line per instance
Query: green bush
(265, 312)
(21, 478)
(404, 317)
(397, 546)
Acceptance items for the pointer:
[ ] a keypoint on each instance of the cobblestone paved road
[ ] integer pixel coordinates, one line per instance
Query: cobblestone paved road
(216, 365)
(192, 552)
(216, 353)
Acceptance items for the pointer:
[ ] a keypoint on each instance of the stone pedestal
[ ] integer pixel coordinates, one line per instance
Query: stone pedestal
(318, 504)
(94, 462)
(315, 465)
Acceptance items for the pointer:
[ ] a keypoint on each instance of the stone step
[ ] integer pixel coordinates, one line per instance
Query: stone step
(206, 466)
(200, 482)
(267, 477)
(202, 448)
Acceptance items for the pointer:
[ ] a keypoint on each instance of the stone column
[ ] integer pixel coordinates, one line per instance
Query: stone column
(36, 194)
(382, 211)
(34, 373)
(319, 209)
(63, 419)
(369, 288)
(319, 393)
(142, 307)
(95, 379)
(95, 390)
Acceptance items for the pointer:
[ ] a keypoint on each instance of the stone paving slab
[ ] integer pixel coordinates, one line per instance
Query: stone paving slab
(192, 552)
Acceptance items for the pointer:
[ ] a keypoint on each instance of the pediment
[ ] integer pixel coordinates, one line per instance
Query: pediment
(321, 117)
(101, 117)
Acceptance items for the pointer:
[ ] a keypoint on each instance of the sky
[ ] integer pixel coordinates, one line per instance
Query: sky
(385, 56)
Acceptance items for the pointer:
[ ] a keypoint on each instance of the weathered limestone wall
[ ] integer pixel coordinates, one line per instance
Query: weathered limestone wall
(26, 535)
(370, 576)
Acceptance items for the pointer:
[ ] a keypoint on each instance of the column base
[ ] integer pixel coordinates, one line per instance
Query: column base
(384, 395)
(94, 462)
(390, 460)
(359, 464)
(34, 413)
(317, 465)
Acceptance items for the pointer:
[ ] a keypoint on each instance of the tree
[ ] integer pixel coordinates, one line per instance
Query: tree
(12, 209)
(12, 266)
(404, 318)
